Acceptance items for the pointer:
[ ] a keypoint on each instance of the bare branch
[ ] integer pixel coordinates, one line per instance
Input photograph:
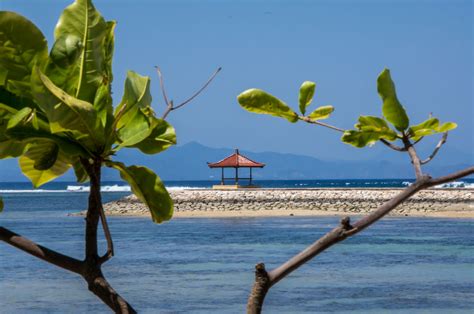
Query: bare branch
(393, 146)
(338, 234)
(169, 104)
(415, 160)
(108, 237)
(437, 148)
(40, 251)
(308, 120)
(199, 91)
(451, 177)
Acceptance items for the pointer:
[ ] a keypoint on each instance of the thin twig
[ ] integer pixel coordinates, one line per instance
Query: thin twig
(307, 119)
(108, 237)
(393, 146)
(437, 148)
(169, 104)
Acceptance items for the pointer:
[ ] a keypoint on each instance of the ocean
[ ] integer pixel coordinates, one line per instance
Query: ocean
(203, 265)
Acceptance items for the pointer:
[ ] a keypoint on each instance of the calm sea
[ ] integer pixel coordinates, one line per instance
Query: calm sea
(407, 265)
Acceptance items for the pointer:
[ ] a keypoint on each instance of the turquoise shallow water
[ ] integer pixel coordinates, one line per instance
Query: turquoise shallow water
(404, 265)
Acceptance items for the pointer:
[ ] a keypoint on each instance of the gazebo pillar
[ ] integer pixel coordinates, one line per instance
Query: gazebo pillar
(236, 176)
(250, 183)
(222, 176)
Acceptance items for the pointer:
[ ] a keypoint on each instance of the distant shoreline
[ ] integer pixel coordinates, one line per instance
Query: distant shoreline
(278, 202)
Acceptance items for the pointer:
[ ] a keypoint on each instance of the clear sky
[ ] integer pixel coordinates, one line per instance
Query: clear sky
(276, 45)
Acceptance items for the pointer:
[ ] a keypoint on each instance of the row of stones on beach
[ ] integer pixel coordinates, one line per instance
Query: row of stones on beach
(331, 200)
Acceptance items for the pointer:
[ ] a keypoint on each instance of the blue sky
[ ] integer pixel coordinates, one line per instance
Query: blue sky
(276, 45)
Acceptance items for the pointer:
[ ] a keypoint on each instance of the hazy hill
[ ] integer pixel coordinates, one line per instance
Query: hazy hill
(188, 162)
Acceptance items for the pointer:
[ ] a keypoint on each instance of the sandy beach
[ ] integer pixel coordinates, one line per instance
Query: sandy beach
(449, 203)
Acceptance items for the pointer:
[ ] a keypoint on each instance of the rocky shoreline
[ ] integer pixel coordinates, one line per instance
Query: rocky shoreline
(300, 202)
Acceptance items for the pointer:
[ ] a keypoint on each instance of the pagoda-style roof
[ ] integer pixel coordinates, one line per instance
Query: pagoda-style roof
(236, 160)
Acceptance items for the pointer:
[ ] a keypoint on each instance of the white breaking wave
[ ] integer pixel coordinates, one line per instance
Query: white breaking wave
(105, 188)
(456, 184)
(82, 189)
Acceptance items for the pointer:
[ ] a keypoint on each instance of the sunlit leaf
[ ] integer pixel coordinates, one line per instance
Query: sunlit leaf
(147, 186)
(429, 127)
(321, 113)
(392, 110)
(258, 101)
(134, 125)
(67, 113)
(306, 95)
(33, 155)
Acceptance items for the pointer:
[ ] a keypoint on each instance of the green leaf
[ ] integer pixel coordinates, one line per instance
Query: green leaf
(134, 125)
(447, 126)
(429, 127)
(306, 95)
(369, 130)
(147, 186)
(67, 113)
(87, 32)
(376, 125)
(80, 172)
(21, 45)
(48, 158)
(258, 101)
(33, 156)
(392, 110)
(321, 113)
(359, 138)
(161, 138)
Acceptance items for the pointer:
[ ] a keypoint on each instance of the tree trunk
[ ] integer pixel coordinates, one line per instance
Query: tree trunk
(92, 271)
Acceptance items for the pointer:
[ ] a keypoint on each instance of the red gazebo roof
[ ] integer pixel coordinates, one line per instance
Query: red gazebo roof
(236, 160)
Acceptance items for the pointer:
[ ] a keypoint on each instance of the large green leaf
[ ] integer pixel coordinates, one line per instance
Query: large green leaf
(392, 110)
(33, 160)
(306, 95)
(161, 138)
(258, 101)
(67, 113)
(321, 113)
(147, 186)
(369, 130)
(80, 172)
(360, 138)
(21, 45)
(376, 125)
(134, 112)
(83, 25)
(429, 127)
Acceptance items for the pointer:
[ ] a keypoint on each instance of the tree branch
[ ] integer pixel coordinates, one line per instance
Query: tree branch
(393, 146)
(169, 104)
(108, 237)
(308, 120)
(415, 160)
(338, 234)
(437, 148)
(40, 251)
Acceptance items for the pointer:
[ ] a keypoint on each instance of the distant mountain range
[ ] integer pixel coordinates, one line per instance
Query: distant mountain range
(189, 162)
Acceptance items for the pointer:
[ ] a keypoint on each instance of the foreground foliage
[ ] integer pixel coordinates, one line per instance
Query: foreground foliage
(394, 126)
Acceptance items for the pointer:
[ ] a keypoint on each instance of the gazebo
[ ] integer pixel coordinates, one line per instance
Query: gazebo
(236, 161)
